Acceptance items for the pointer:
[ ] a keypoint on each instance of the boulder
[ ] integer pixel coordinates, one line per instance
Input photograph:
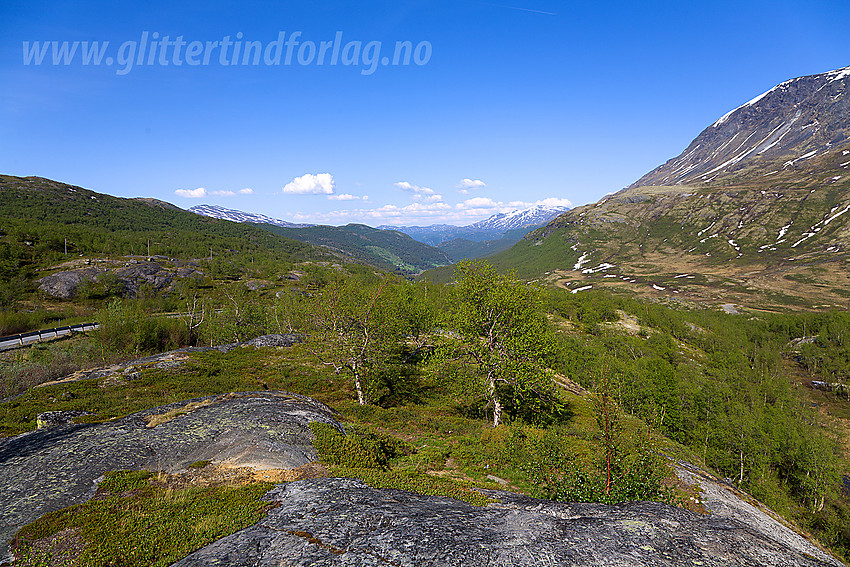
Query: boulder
(151, 273)
(286, 340)
(54, 418)
(55, 467)
(64, 284)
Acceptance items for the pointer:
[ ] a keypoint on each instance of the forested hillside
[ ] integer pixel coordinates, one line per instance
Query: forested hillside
(43, 222)
(385, 249)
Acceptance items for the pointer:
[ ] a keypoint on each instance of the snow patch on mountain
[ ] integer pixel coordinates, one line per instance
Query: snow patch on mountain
(533, 216)
(219, 212)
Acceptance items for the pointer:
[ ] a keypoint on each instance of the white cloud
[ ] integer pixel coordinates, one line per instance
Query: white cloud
(435, 198)
(466, 185)
(429, 209)
(198, 193)
(555, 202)
(478, 203)
(201, 192)
(345, 197)
(309, 184)
(415, 189)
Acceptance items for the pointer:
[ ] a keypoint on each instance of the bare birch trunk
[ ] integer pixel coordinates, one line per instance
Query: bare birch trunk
(359, 387)
(497, 405)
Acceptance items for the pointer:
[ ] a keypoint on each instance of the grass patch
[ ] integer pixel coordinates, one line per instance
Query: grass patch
(132, 523)
(367, 455)
(208, 373)
(414, 482)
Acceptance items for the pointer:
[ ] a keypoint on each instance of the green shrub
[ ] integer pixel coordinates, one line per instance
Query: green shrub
(358, 449)
(121, 481)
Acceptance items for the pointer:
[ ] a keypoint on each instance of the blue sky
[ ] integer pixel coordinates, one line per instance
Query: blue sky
(528, 102)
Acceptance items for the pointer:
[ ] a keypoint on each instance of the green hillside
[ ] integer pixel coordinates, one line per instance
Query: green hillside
(462, 248)
(40, 219)
(385, 249)
(776, 241)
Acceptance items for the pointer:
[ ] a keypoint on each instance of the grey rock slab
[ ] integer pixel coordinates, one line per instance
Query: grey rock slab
(64, 284)
(726, 501)
(337, 522)
(55, 467)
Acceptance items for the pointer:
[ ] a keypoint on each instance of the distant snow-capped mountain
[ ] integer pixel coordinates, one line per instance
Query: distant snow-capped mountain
(531, 217)
(219, 212)
(492, 228)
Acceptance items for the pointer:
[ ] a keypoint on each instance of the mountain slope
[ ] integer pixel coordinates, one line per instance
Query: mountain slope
(461, 248)
(760, 224)
(495, 227)
(525, 218)
(41, 219)
(219, 212)
(384, 249)
(795, 121)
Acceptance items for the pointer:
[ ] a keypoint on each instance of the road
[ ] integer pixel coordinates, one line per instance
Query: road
(26, 339)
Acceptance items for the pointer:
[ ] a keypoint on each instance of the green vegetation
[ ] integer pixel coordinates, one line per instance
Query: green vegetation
(360, 453)
(416, 482)
(501, 331)
(356, 449)
(45, 222)
(132, 521)
(586, 390)
(386, 249)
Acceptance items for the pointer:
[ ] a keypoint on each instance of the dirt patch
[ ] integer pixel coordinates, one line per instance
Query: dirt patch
(222, 474)
(155, 419)
(626, 323)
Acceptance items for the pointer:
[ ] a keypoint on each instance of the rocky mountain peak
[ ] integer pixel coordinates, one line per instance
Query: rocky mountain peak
(792, 122)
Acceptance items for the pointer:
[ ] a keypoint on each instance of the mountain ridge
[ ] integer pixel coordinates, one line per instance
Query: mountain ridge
(493, 227)
(760, 223)
(798, 119)
(219, 212)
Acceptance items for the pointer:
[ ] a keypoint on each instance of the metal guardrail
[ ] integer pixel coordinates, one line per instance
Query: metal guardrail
(25, 339)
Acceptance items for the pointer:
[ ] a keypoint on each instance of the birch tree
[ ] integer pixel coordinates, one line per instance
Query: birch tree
(498, 326)
(350, 328)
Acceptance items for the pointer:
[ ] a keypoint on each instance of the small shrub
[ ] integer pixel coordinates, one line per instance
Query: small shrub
(121, 481)
(358, 449)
